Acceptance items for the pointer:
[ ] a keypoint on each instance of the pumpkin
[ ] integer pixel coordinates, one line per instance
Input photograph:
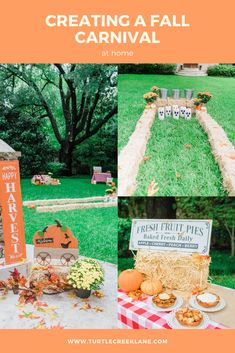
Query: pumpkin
(130, 280)
(151, 287)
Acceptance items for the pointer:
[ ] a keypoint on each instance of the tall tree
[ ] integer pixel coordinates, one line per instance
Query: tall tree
(78, 100)
(220, 210)
(147, 207)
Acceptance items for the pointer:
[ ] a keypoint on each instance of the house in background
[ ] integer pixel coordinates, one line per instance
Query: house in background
(192, 69)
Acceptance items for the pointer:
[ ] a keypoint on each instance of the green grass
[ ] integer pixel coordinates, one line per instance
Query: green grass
(222, 268)
(96, 229)
(69, 188)
(131, 104)
(177, 170)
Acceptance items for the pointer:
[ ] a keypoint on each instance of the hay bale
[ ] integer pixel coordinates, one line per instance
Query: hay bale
(175, 270)
(222, 149)
(133, 153)
(75, 206)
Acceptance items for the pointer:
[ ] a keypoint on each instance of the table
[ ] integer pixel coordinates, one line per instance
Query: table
(100, 177)
(139, 315)
(64, 309)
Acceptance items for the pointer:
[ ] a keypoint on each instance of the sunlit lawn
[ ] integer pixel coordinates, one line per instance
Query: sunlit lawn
(178, 153)
(96, 229)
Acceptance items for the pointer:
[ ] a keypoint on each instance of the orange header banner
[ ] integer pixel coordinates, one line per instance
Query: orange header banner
(12, 214)
(107, 31)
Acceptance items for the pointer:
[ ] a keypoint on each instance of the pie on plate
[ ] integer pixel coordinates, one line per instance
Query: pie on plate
(189, 317)
(207, 299)
(164, 300)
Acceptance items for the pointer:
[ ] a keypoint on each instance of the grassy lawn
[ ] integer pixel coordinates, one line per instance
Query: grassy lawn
(180, 161)
(132, 87)
(222, 268)
(178, 170)
(69, 188)
(96, 229)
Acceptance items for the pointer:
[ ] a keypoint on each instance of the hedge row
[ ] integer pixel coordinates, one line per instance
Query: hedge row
(222, 70)
(164, 69)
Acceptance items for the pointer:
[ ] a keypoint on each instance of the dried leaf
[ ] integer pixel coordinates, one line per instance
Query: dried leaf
(40, 304)
(98, 309)
(85, 307)
(20, 306)
(146, 158)
(178, 175)
(137, 295)
(188, 146)
(98, 294)
(153, 188)
(29, 315)
(41, 325)
(51, 311)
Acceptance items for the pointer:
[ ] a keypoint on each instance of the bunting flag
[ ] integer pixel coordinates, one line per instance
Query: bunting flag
(12, 213)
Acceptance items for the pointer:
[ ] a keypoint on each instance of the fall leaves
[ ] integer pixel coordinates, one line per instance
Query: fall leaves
(30, 291)
(30, 308)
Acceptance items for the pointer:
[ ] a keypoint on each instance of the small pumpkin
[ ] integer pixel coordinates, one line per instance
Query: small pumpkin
(151, 287)
(130, 280)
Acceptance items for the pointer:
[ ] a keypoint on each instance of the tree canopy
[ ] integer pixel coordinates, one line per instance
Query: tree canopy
(74, 101)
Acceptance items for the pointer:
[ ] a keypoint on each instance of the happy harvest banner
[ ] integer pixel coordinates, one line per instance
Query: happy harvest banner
(12, 214)
(105, 31)
(190, 236)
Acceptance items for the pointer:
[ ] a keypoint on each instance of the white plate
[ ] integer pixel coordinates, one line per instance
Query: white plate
(174, 323)
(179, 301)
(193, 302)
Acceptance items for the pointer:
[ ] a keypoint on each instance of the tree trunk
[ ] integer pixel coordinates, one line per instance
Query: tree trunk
(233, 242)
(149, 207)
(161, 207)
(66, 157)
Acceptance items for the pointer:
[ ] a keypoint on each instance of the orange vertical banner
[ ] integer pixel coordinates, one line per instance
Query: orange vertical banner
(12, 213)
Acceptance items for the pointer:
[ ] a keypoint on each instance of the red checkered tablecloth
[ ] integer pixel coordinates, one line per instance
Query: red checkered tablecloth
(137, 314)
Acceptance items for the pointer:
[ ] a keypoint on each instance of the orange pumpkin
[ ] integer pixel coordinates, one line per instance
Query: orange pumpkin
(130, 280)
(151, 287)
(55, 236)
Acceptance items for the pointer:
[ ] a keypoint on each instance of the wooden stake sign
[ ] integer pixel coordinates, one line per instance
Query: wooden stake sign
(12, 213)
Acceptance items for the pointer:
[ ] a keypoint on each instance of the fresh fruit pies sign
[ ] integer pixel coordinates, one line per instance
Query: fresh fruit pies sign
(12, 213)
(183, 235)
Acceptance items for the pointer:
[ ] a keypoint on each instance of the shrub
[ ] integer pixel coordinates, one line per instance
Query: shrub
(55, 168)
(164, 69)
(124, 231)
(221, 70)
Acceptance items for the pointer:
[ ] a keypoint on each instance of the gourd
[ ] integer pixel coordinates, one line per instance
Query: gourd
(151, 287)
(130, 280)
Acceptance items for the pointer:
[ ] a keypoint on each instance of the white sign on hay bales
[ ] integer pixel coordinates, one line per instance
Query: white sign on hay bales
(183, 235)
